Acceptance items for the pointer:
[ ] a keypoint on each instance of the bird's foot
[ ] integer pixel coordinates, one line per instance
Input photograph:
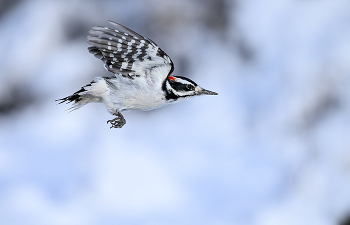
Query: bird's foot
(117, 122)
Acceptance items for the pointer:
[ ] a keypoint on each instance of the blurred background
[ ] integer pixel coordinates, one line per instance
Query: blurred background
(272, 148)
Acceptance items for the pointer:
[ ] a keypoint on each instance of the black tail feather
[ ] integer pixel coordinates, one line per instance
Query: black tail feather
(72, 98)
(76, 97)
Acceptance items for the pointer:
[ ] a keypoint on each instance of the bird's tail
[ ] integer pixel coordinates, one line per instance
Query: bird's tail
(88, 93)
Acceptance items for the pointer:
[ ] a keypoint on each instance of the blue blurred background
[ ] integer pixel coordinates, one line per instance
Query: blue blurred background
(272, 148)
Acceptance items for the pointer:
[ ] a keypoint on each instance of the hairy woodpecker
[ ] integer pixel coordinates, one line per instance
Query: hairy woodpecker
(142, 75)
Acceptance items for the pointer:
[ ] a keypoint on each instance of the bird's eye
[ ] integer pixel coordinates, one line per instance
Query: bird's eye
(190, 87)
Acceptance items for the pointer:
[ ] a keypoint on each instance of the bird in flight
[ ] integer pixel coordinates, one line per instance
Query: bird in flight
(142, 75)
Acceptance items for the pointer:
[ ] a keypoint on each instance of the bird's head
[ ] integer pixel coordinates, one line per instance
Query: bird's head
(181, 87)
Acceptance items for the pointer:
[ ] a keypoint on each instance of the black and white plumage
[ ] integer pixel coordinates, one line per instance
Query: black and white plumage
(142, 75)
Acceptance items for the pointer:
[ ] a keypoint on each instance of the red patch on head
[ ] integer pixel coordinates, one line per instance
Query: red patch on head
(172, 78)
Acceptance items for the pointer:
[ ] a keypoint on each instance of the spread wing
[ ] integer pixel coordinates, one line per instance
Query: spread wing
(127, 53)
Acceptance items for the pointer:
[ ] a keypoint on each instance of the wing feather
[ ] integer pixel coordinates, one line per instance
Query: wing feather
(127, 53)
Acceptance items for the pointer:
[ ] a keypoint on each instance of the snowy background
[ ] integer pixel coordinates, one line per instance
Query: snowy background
(273, 148)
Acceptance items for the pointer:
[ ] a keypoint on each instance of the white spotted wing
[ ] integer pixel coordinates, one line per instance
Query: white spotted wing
(127, 53)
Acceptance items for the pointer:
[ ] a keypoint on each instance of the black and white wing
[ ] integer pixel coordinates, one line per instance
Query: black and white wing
(127, 53)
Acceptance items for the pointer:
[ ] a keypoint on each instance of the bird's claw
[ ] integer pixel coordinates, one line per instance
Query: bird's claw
(117, 122)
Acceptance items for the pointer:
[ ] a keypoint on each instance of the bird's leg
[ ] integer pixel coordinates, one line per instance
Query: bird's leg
(117, 122)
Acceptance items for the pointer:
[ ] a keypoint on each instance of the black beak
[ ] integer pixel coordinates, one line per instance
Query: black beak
(206, 92)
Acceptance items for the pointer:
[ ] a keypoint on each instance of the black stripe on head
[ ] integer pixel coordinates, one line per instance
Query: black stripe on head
(187, 79)
(180, 86)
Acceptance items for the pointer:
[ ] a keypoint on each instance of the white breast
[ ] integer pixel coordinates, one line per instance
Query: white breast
(142, 93)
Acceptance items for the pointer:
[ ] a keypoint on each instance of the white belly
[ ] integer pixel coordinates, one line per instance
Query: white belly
(128, 94)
